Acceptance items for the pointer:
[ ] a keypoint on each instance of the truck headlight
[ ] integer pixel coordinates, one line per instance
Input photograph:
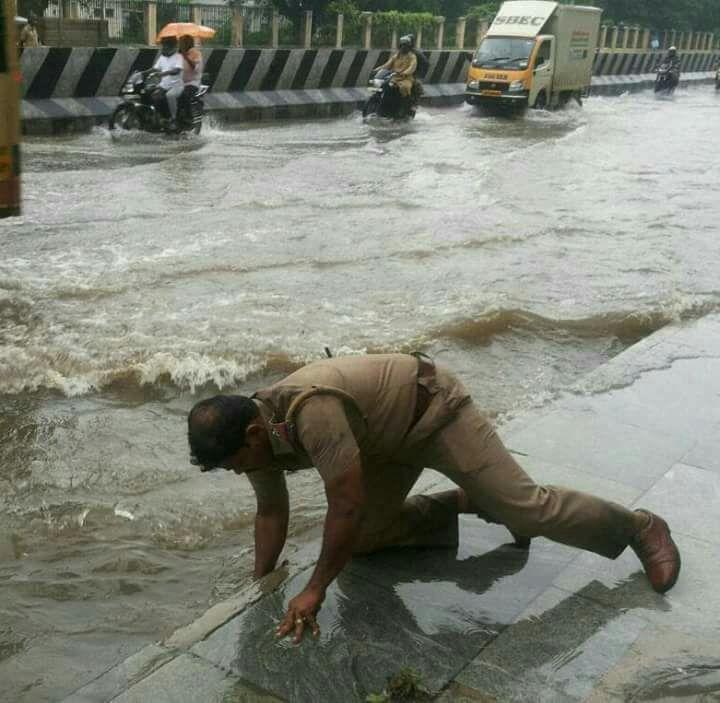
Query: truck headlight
(516, 87)
(473, 85)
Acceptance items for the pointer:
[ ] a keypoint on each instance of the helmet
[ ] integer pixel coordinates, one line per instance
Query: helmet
(405, 41)
(672, 50)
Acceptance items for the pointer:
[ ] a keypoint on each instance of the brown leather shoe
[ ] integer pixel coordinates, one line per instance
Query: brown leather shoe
(657, 552)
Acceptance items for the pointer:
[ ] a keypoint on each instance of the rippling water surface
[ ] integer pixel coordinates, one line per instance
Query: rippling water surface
(146, 273)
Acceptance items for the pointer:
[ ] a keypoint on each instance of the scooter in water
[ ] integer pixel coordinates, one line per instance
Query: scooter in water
(666, 79)
(139, 111)
(385, 99)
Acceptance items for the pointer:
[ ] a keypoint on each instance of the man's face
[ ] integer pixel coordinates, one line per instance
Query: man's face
(256, 454)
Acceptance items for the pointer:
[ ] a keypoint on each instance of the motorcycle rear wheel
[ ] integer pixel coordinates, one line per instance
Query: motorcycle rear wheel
(125, 118)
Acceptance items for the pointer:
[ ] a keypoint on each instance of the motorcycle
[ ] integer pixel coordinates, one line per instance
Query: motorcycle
(385, 99)
(666, 79)
(139, 111)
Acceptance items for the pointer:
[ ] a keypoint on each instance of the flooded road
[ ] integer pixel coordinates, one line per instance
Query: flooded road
(147, 273)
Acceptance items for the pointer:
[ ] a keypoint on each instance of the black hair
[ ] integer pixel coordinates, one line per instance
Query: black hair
(216, 428)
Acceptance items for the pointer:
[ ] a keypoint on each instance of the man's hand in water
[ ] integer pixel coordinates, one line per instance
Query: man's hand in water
(345, 495)
(301, 614)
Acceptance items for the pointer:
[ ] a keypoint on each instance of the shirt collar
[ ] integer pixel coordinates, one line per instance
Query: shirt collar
(278, 445)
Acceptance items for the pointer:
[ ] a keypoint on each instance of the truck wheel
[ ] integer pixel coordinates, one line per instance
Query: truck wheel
(540, 101)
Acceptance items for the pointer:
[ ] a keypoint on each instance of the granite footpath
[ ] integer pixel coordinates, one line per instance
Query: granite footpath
(488, 621)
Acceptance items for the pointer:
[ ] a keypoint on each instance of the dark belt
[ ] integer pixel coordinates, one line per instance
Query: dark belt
(422, 402)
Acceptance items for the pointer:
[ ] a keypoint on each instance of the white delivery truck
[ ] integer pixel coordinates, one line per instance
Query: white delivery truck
(535, 54)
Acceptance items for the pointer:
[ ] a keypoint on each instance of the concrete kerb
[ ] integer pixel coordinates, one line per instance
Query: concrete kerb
(130, 672)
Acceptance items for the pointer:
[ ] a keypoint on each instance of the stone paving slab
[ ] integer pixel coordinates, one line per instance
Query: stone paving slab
(602, 446)
(486, 582)
(663, 665)
(691, 607)
(123, 676)
(696, 513)
(488, 622)
(556, 651)
(367, 633)
(187, 679)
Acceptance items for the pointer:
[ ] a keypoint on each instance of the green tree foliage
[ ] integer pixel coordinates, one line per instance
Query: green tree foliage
(700, 15)
(484, 11)
(295, 9)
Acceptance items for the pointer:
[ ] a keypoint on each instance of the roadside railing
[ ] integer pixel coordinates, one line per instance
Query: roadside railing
(255, 24)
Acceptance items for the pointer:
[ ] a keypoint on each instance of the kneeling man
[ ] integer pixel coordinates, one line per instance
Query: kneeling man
(370, 425)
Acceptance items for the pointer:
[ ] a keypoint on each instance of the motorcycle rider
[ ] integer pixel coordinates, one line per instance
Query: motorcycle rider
(673, 61)
(422, 68)
(192, 68)
(403, 64)
(169, 66)
(29, 38)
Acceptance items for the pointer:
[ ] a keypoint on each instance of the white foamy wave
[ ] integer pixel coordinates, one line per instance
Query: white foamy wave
(196, 370)
(22, 370)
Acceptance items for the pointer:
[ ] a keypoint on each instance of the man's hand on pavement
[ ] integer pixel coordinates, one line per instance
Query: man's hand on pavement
(301, 614)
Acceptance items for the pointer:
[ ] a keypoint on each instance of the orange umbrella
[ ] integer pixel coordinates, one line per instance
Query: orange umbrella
(179, 29)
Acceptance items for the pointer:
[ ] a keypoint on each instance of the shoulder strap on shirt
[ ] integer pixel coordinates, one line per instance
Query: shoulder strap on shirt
(286, 429)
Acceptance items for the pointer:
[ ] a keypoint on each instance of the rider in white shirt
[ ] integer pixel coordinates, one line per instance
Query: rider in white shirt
(170, 65)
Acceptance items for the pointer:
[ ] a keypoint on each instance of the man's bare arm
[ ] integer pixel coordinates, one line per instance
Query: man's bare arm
(325, 430)
(271, 519)
(346, 499)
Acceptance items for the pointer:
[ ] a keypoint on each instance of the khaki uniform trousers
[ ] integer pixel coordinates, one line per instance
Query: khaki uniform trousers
(404, 86)
(468, 451)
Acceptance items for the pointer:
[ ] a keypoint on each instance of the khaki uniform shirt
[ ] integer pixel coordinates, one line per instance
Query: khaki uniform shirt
(333, 433)
(404, 65)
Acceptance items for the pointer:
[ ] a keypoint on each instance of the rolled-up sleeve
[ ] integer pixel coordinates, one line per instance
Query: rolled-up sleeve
(325, 433)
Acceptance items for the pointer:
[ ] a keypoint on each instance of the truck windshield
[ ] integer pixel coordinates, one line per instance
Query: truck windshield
(503, 52)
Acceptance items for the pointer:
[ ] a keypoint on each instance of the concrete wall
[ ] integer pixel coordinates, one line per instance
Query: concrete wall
(75, 88)
(610, 62)
(100, 72)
